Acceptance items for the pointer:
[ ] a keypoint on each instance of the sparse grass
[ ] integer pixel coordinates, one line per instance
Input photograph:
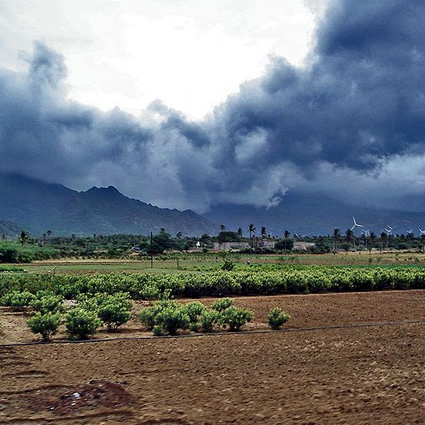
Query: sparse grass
(199, 263)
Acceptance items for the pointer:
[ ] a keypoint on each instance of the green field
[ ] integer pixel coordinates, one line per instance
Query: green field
(195, 262)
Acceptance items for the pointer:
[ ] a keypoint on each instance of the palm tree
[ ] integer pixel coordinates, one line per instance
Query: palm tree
(336, 237)
(239, 233)
(384, 240)
(286, 235)
(348, 237)
(263, 232)
(251, 229)
(23, 239)
(372, 238)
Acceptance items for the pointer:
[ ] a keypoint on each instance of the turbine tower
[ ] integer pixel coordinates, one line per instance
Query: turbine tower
(388, 229)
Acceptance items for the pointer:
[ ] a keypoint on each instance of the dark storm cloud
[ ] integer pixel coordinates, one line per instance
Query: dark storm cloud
(360, 100)
(46, 136)
(355, 111)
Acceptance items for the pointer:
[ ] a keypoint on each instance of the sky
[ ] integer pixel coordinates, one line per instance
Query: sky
(196, 103)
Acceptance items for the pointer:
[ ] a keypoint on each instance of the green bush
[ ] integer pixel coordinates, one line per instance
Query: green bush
(166, 316)
(81, 323)
(235, 318)
(17, 300)
(48, 303)
(228, 265)
(277, 317)
(158, 331)
(222, 304)
(112, 310)
(194, 310)
(45, 324)
(147, 315)
(114, 315)
(208, 319)
(172, 318)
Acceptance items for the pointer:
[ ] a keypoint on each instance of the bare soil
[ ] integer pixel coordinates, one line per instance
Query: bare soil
(356, 358)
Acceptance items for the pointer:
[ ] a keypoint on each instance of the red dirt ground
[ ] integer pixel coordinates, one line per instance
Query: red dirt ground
(349, 375)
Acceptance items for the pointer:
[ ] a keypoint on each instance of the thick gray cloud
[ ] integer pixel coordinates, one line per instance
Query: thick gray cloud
(351, 120)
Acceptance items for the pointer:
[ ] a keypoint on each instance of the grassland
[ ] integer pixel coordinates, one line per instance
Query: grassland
(195, 262)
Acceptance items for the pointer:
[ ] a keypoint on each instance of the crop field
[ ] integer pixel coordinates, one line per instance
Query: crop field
(353, 350)
(178, 262)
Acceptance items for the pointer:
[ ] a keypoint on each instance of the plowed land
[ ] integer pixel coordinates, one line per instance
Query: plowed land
(355, 358)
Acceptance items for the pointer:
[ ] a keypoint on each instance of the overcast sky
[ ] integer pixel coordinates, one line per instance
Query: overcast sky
(191, 103)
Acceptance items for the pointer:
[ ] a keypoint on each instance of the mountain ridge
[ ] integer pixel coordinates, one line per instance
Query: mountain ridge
(315, 214)
(38, 206)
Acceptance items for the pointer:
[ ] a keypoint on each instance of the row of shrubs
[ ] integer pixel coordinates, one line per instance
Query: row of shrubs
(303, 279)
(81, 320)
(164, 317)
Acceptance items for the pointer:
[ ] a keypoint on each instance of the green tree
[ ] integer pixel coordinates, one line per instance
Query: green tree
(348, 238)
(251, 230)
(336, 238)
(286, 235)
(23, 239)
(239, 233)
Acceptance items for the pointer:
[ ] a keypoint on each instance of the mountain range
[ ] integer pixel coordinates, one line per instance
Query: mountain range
(317, 214)
(36, 206)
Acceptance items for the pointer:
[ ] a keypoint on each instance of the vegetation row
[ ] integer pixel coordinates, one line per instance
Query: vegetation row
(150, 286)
(164, 317)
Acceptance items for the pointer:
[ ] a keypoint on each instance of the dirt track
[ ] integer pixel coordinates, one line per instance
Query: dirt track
(350, 375)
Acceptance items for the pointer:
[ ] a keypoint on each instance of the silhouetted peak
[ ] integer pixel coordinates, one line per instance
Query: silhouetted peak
(109, 190)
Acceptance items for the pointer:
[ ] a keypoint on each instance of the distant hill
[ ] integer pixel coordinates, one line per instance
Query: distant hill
(315, 214)
(39, 206)
(9, 228)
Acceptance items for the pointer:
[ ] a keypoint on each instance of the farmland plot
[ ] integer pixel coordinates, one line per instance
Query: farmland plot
(353, 374)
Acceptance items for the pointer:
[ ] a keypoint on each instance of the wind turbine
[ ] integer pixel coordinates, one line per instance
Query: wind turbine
(422, 237)
(388, 229)
(355, 224)
(366, 234)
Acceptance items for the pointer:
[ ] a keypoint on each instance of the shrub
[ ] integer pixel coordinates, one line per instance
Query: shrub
(112, 310)
(148, 292)
(148, 314)
(235, 318)
(208, 319)
(17, 300)
(114, 315)
(172, 318)
(158, 331)
(166, 316)
(47, 303)
(45, 324)
(277, 317)
(81, 323)
(221, 305)
(194, 310)
(227, 266)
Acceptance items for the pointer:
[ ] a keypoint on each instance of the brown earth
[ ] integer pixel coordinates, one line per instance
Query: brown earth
(352, 374)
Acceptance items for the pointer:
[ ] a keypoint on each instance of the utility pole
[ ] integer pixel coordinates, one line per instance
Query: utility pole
(151, 250)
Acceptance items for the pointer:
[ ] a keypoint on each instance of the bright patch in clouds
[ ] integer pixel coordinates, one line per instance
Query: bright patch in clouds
(190, 54)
